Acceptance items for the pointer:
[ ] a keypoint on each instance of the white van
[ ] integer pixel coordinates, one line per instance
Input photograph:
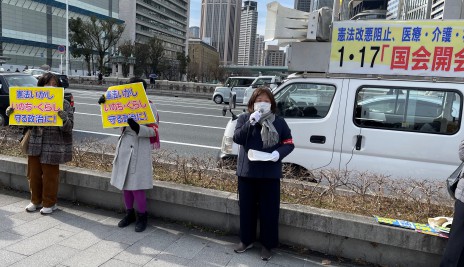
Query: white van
(391, 126)
(271, 81)
(236, 85)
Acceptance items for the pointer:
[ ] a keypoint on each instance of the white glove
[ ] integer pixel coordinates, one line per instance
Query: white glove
(254, 117)
(275, 155)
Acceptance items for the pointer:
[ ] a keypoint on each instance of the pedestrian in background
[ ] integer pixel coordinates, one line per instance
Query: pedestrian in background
(454, 251)
(132, 166)
(48, 147)
(259, 181)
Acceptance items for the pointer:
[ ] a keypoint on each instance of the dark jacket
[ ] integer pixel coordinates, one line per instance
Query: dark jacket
(249, 137)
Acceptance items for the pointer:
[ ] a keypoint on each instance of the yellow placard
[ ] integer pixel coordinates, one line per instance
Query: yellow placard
(419, 48)
(36, 106)
(123, 102)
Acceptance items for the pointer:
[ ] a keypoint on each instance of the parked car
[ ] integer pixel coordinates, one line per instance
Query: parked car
(39, 72)
(12, 79)
(271, 81)
(62, 78)
(236, 85)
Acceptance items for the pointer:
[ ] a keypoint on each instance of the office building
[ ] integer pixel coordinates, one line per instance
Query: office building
(165, 20)
(417, 9)
(204, 58)
(318, 4)
(394, 9)
(438, 7)
(32, 30)
(259, 50)
(274, 56)
(303, 5)
(220, 21)
(248, 24)
(194, 32)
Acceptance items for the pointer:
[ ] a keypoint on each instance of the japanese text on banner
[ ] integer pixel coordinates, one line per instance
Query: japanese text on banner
(36, 106)
(123, 102)
(425, 48)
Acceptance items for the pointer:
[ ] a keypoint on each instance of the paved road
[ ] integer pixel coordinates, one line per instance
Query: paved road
(188, 126)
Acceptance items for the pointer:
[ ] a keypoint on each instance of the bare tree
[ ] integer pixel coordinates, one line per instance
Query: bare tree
(103, 35)
(156, 55)
(80, 45)
(142, 59)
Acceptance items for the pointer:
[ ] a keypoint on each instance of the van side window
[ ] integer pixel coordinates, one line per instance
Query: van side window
(414, 110)
(305, 100)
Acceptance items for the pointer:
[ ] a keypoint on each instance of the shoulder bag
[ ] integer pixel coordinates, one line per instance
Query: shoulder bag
(453, 179)
(25, 141)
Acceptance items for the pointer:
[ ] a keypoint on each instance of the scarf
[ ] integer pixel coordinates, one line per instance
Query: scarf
(155, 140)
(269, 134)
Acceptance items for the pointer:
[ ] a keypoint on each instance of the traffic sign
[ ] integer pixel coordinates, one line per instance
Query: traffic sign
(61, 49)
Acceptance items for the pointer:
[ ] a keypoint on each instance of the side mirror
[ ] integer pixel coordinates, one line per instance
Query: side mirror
(232, 100)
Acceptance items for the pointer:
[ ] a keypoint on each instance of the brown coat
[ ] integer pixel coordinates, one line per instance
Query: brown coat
(53, 144)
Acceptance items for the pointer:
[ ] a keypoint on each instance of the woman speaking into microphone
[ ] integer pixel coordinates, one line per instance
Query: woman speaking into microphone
(264, 139)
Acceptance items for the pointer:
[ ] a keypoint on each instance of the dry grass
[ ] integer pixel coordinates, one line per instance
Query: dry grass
(353, 192)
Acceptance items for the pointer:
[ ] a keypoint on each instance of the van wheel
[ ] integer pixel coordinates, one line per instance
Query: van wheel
(217, 99)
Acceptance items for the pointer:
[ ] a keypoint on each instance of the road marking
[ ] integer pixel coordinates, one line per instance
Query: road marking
(167, 122)
(163, 141)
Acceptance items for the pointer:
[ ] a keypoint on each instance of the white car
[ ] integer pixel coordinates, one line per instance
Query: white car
(236, 85)
(271, 81)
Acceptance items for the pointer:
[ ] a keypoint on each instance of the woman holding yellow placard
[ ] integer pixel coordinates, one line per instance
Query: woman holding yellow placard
(132, 166)
(47, 147)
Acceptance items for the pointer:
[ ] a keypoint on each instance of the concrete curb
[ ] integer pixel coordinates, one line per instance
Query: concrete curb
(334, 233)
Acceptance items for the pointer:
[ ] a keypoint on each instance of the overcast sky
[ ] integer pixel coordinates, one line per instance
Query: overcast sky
(195, 12)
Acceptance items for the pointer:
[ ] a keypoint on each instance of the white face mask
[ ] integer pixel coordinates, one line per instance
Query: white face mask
(264, 106)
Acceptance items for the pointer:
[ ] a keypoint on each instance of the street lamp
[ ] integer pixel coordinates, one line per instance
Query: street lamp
(67, 38)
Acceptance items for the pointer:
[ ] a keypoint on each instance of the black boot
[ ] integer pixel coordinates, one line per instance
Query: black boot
(141, 222)
(128, 219)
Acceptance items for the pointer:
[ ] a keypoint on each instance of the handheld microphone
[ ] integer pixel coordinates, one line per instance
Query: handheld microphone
(261, 110)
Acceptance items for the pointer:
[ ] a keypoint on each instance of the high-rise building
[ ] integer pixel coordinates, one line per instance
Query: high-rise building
(303, 5)
(417, 9)
(32, 30)
(194, 32)
(248, 24)
(220, 21)
(165, 20)
(274, 56)
(394, 9)
(438, 7)
(259, 50)
(317, 4)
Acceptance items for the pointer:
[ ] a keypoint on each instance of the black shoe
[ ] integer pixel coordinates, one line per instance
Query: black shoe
(141, 222)
(242, 247)
(266, 254)
(128, 219)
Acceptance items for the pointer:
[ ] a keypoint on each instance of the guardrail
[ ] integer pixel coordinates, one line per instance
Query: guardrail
(335, 233)
(161, 87)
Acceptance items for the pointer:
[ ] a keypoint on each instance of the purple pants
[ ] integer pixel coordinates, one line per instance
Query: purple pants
(138, 196)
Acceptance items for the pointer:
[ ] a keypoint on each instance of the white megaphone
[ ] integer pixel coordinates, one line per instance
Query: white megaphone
(289, 25)
(285, 23)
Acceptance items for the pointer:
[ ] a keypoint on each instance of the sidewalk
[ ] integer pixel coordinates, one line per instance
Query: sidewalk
(77, 235)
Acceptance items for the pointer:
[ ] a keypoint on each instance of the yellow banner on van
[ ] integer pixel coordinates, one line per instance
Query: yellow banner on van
(126, 101)
(418, 48)
(36, 106)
